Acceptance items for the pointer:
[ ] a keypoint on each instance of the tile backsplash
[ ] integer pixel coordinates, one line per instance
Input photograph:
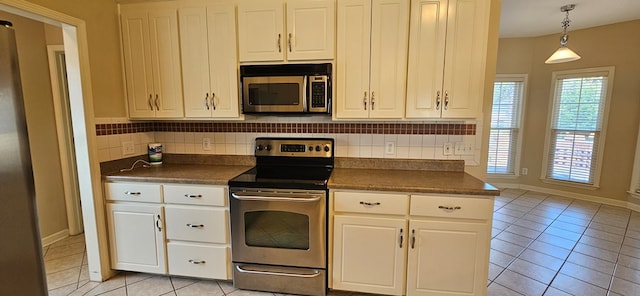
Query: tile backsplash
(413, 140)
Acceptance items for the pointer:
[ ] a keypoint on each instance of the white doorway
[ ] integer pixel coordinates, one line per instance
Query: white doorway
(64, 127)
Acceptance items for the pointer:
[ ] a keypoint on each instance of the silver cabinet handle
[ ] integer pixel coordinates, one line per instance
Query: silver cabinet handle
(197, 261)
(206, 101)
(369, 204)
(450, 208)
(195, 225)
(413, 238)
(213, 102)
(401, 238)
(373, 99)
(364, 100)
(193, 195)
(266, 270)
(157, 106)
(132, 193)
(158, 221)
(446, 100)
(438, 101)
(279, 46)
(289, 42)
(150, 101)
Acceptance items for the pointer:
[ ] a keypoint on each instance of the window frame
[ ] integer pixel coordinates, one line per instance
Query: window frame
(578, 73)
(521, 111)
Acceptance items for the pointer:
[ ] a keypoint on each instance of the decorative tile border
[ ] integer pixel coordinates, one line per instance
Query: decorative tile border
(299, 128)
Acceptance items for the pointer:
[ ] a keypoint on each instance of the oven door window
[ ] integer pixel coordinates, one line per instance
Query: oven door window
(277, 229)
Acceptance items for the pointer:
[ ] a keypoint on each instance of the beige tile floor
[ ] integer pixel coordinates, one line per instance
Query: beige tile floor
(541, 245)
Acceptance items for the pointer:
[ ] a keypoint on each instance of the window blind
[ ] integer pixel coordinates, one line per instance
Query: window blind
(576, 125)
(505, 126)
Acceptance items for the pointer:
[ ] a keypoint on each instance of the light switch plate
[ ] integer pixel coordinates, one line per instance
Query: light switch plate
(448, 149)
(206, 144)
(128, 148)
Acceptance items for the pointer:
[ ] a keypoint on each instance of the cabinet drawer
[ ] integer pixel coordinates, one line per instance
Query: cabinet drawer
(199, 260)
(197, 224)
(195, 195)
(466, 207)
(142, 192)
(375, 203)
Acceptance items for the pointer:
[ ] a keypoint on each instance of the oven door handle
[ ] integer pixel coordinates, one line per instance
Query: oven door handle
(274, 197)
(314, 273)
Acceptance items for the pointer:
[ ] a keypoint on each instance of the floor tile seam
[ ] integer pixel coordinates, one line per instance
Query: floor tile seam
(516, 292)
(564, 261)
(616, 264)
(577, 279)
(61, 270)
(569, 275)
(524, 275)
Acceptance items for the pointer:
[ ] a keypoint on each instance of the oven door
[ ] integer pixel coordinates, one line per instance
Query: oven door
(274, 94)
(279, 228)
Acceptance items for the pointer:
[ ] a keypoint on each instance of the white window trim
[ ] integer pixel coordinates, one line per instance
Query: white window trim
(603, 132)
(635, 178)
(524, 78)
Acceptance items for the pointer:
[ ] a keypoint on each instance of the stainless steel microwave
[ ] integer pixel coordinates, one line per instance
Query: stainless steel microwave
(287, 88)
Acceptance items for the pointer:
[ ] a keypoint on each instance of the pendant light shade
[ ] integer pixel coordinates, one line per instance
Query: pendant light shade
(564, 54)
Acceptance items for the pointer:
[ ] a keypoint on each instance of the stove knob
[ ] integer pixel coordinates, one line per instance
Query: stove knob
(310, 148)
(318, 148)
(268, 147)
(259, 147)
(326, 148)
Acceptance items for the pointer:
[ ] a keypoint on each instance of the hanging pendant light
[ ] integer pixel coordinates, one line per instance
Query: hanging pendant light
(564, 54)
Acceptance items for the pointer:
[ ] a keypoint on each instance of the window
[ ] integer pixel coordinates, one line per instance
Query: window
(504, 136)
(575, 137)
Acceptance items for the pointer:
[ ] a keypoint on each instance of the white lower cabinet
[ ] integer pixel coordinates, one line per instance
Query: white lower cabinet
(169, 229)
(401, 244)
(136, 237)
(368, 255)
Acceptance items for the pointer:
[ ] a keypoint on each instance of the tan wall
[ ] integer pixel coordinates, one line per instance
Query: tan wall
(38, 101)
(612, 45)
(101, 17)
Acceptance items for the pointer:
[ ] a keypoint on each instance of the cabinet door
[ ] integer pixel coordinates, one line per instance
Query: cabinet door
(368, 254)
(195, 61)
(310, 29)
(467, 31)
(447, 258)
(165, 58)
(223, 61)
(261, 30)
(210, 79)
(426, 58)
(137, 62)
(352, 59)
(136, 237)
(389, 41)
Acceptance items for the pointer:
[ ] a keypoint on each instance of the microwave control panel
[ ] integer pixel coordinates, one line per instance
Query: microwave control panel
(318, 93)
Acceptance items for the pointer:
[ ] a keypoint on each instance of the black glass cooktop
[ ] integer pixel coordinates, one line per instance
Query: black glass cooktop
(285, 177)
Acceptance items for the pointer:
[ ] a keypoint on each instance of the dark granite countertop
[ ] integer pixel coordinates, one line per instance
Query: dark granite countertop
(413, 181)
(180, 173)
(413, 176)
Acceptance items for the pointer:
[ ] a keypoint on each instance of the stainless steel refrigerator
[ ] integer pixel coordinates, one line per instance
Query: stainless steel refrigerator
(21, 264)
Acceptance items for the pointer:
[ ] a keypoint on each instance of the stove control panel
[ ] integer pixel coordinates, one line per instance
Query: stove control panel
(297, 147)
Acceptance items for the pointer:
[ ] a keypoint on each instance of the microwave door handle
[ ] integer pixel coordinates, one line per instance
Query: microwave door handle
(305, 94)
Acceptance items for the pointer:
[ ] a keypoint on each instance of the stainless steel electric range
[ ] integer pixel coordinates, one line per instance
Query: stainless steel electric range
(279, 217)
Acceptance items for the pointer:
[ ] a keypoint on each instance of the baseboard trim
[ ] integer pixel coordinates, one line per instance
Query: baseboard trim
(55, 237)
(602, 200)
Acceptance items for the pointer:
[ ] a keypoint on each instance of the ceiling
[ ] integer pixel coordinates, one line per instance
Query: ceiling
(530, 18)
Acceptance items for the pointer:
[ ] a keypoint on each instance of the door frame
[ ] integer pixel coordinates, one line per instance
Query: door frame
(64, 129)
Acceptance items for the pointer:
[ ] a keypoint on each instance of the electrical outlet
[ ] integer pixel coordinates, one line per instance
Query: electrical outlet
(390, 148)
(448, 149)
(128, 148)
(525, 171)
(206, 144)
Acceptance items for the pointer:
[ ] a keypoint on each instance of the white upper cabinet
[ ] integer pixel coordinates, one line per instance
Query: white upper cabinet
(307, 35)
(371, 58)
(447, 55)
(152, 60)
(209, 60)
